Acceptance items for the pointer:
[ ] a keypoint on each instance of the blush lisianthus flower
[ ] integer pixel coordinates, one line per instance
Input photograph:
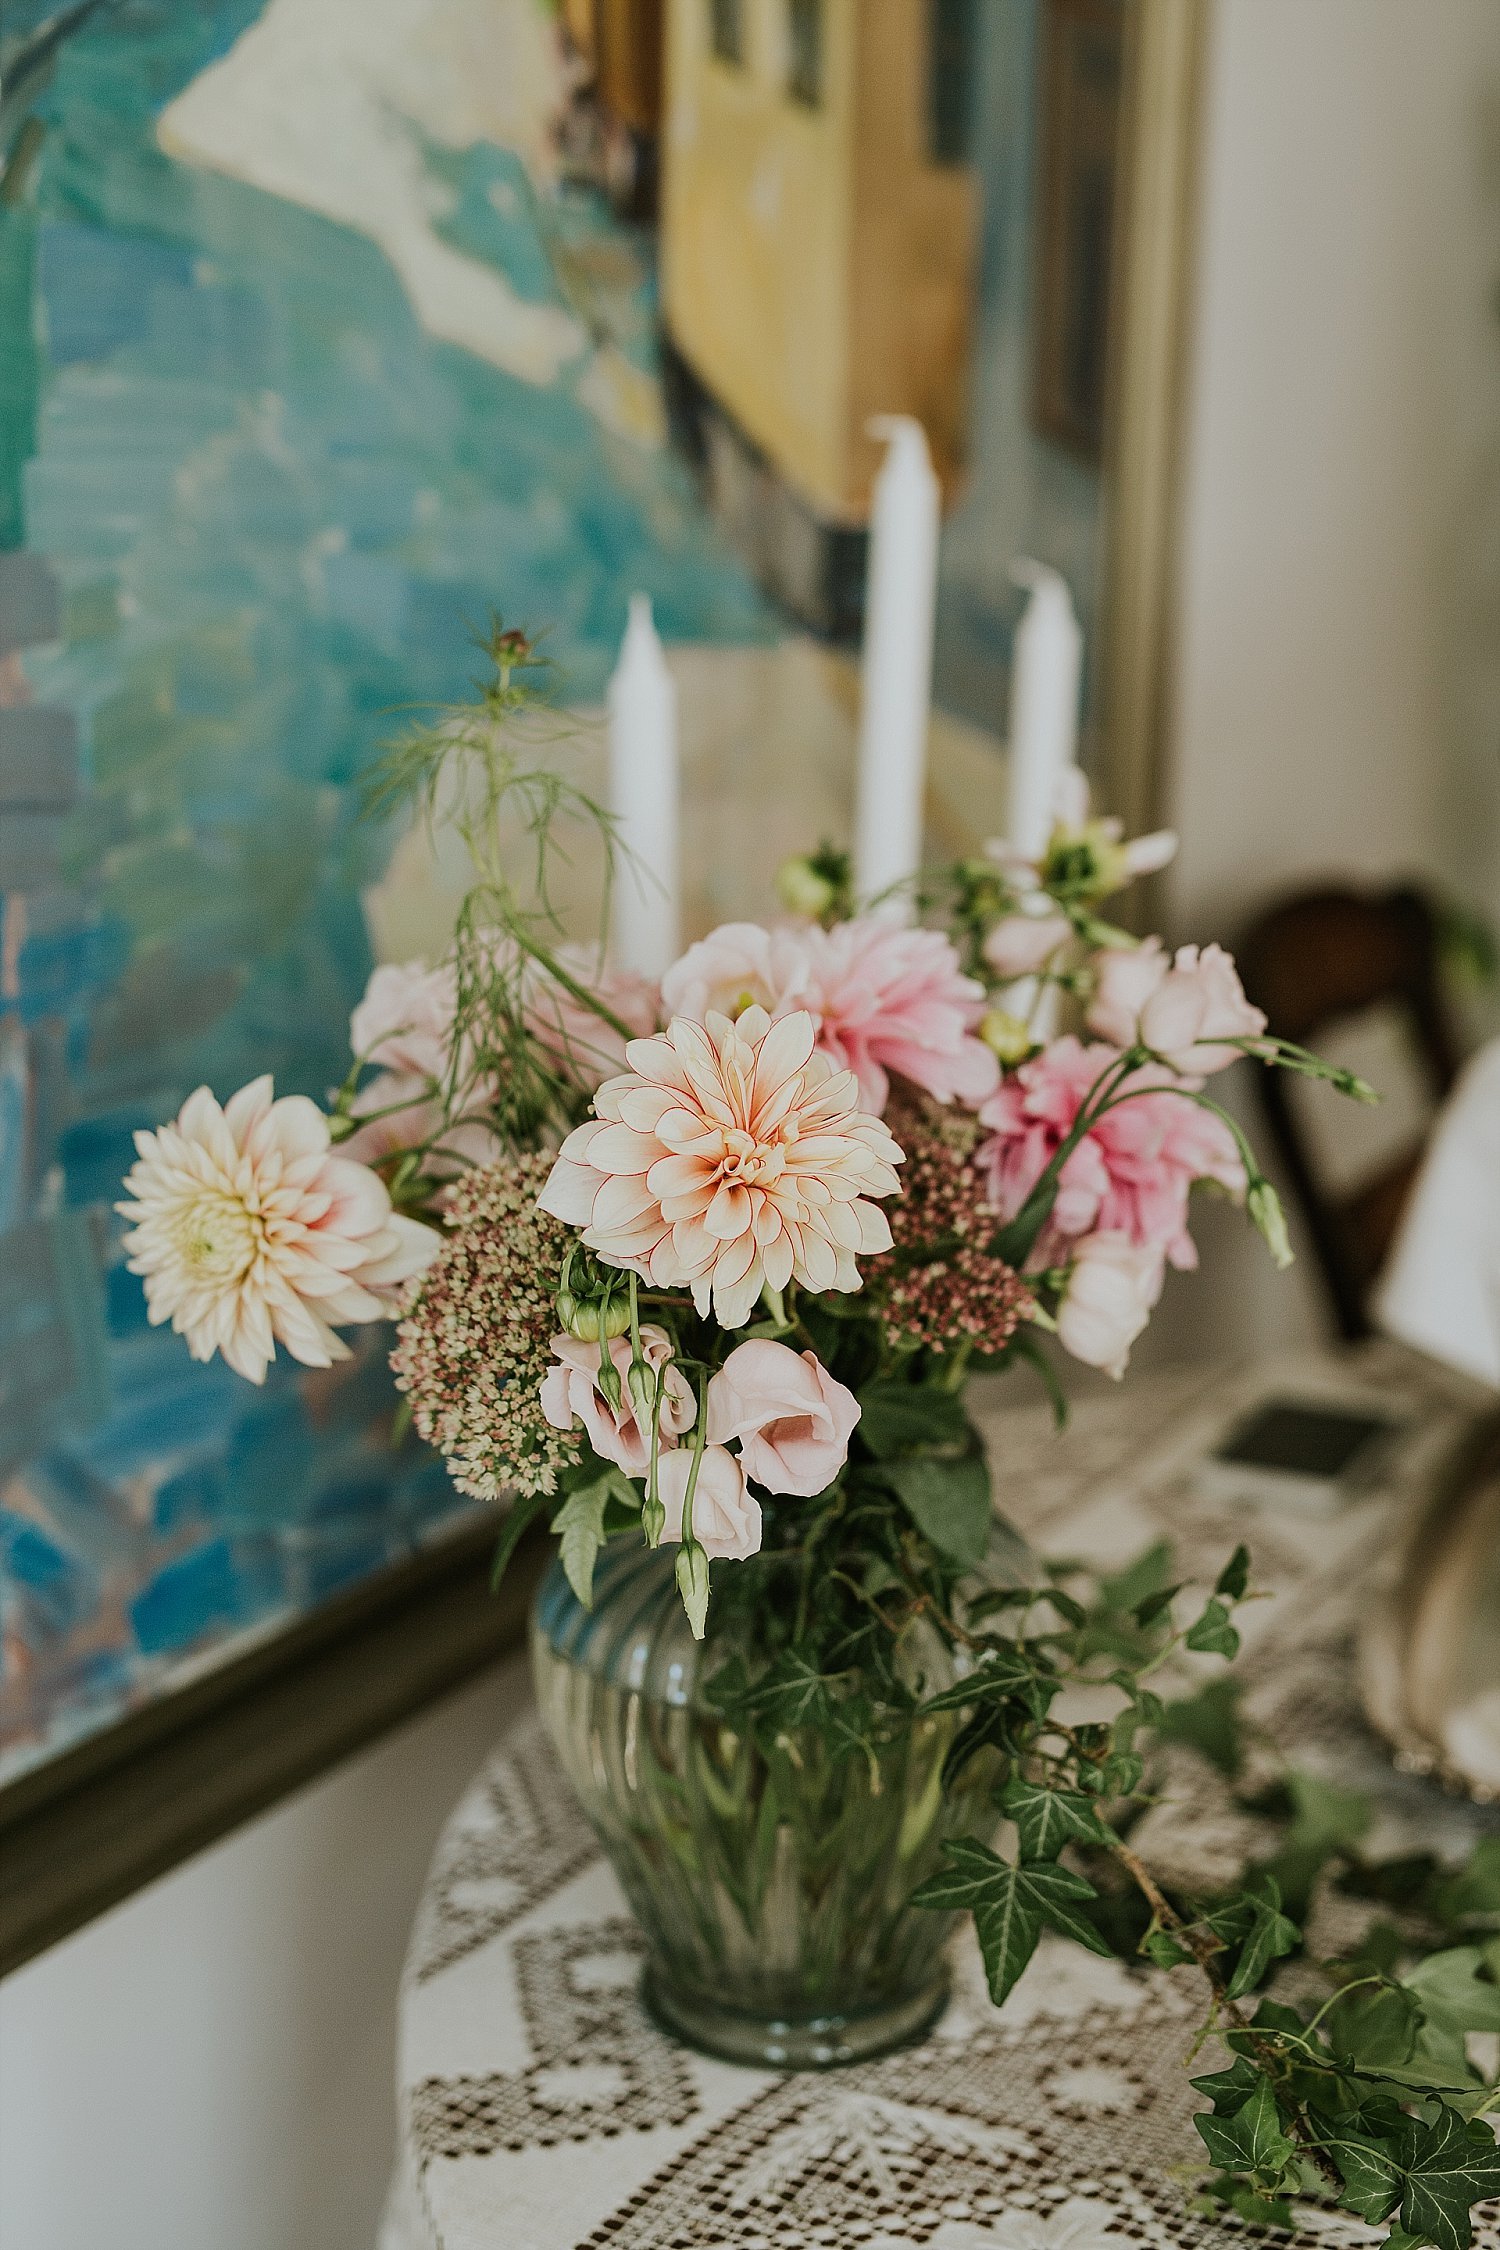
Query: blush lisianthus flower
(1131, 1172)
(726, 1517)
(250, 1231)
(1112, 1288)
(791, 1420)
(571, 1394)
(730, 1156)
(885, 998)
(1184, 1009)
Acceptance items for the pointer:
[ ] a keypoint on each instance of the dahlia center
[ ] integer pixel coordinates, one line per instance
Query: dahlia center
(219, 1238)
(749, 1162)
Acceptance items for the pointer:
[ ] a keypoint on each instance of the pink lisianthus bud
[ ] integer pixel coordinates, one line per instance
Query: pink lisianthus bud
(1198, 1005)
(1125, 977)
(1024, 943)
(1112, 1287)
(726, 1517)
(792, 1420)
(570, 1394)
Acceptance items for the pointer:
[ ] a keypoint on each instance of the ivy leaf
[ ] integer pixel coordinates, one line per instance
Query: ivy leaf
(1161, 1947)
(1474, 1890)
(1146, 1575)
(1251, 2139)
(1374, 2026)
(1209, 1723)
(1046, 1819)
(1235, 1576)
(1212, 1634)
(999, 1672)
(1448, 2166)
(1147, 1612)
(579, 1525)
(1370, 2173)
(948, 1501)
(1011, 1904)
(1254, 1921)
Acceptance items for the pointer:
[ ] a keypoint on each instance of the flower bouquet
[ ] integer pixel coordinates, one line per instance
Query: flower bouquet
(699, 1272)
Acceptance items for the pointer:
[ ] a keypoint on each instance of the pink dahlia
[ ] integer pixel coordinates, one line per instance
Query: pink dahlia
(250, 1231)
(729, 1156)
(886, 999)
(1129, 1175)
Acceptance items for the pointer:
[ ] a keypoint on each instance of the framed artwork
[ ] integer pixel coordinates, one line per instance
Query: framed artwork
(328, 328)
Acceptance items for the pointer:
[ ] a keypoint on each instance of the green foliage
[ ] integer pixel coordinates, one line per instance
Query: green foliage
(582, 1525)
(1011, 1903)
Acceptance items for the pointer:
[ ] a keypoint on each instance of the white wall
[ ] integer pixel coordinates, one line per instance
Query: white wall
(1337, 694)
(211, 2066)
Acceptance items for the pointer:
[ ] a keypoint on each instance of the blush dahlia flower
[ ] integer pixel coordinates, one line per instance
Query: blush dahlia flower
(731, 1155)
(885, 998)
(249, 1231)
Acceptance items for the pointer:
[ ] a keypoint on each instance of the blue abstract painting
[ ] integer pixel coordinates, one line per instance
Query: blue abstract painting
(325, 330)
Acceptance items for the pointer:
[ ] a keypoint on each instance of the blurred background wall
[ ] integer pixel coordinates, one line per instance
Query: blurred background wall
(1337, 693)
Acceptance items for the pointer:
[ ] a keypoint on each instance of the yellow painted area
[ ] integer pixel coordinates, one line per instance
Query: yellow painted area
(816, 268)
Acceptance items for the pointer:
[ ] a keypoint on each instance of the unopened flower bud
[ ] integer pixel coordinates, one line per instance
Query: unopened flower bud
(802, 890)
(653, 1522)
(642, 1381)
(1264, 1206)
(1006, 1035)
(692, 1584)
(592, 1320)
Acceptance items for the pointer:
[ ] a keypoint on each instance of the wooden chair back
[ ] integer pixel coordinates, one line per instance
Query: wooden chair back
(1310, 961)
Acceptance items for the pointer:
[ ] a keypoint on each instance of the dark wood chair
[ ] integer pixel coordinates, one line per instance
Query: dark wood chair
(1315, 958)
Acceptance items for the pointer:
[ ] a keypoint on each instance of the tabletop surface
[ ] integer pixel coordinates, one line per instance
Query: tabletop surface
(541, 2110)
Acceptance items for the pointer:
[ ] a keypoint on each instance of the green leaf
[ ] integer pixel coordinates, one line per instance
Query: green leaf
(1235, 1576)
(1025, 1344)
(1474, 1891)
(1208, 1722)
(1212, 1634)
(1046, 1819)
(1455, 1996)
(1370, 2173)
(1448, 2166)
(1374, 2026)
(1161, 1947)
(1254, 1921)
(523, 1514)
(998, 1673)
(1011, 1904)
(948, 1501)
(1147, 1612)
(579, 1525)
(1148, 1574)
(1252, 2139)
(898, 1418)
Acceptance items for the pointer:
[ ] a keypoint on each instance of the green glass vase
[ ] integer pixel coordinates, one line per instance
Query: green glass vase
(770, 1869)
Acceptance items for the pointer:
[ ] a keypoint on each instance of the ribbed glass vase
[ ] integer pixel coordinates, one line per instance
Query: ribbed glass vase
(772, 1877)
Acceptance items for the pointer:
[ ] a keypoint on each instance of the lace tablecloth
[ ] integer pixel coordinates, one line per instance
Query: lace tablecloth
(541, 2110)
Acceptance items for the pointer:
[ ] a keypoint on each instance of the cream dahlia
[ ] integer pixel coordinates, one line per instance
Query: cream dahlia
(250, 1231)
(731, 1155)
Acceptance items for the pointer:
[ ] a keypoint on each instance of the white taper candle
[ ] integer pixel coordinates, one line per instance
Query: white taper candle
(643, 796)
(1046, 667)
(896, 676)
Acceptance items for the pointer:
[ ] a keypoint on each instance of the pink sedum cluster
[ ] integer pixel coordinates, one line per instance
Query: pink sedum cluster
(885, 999)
